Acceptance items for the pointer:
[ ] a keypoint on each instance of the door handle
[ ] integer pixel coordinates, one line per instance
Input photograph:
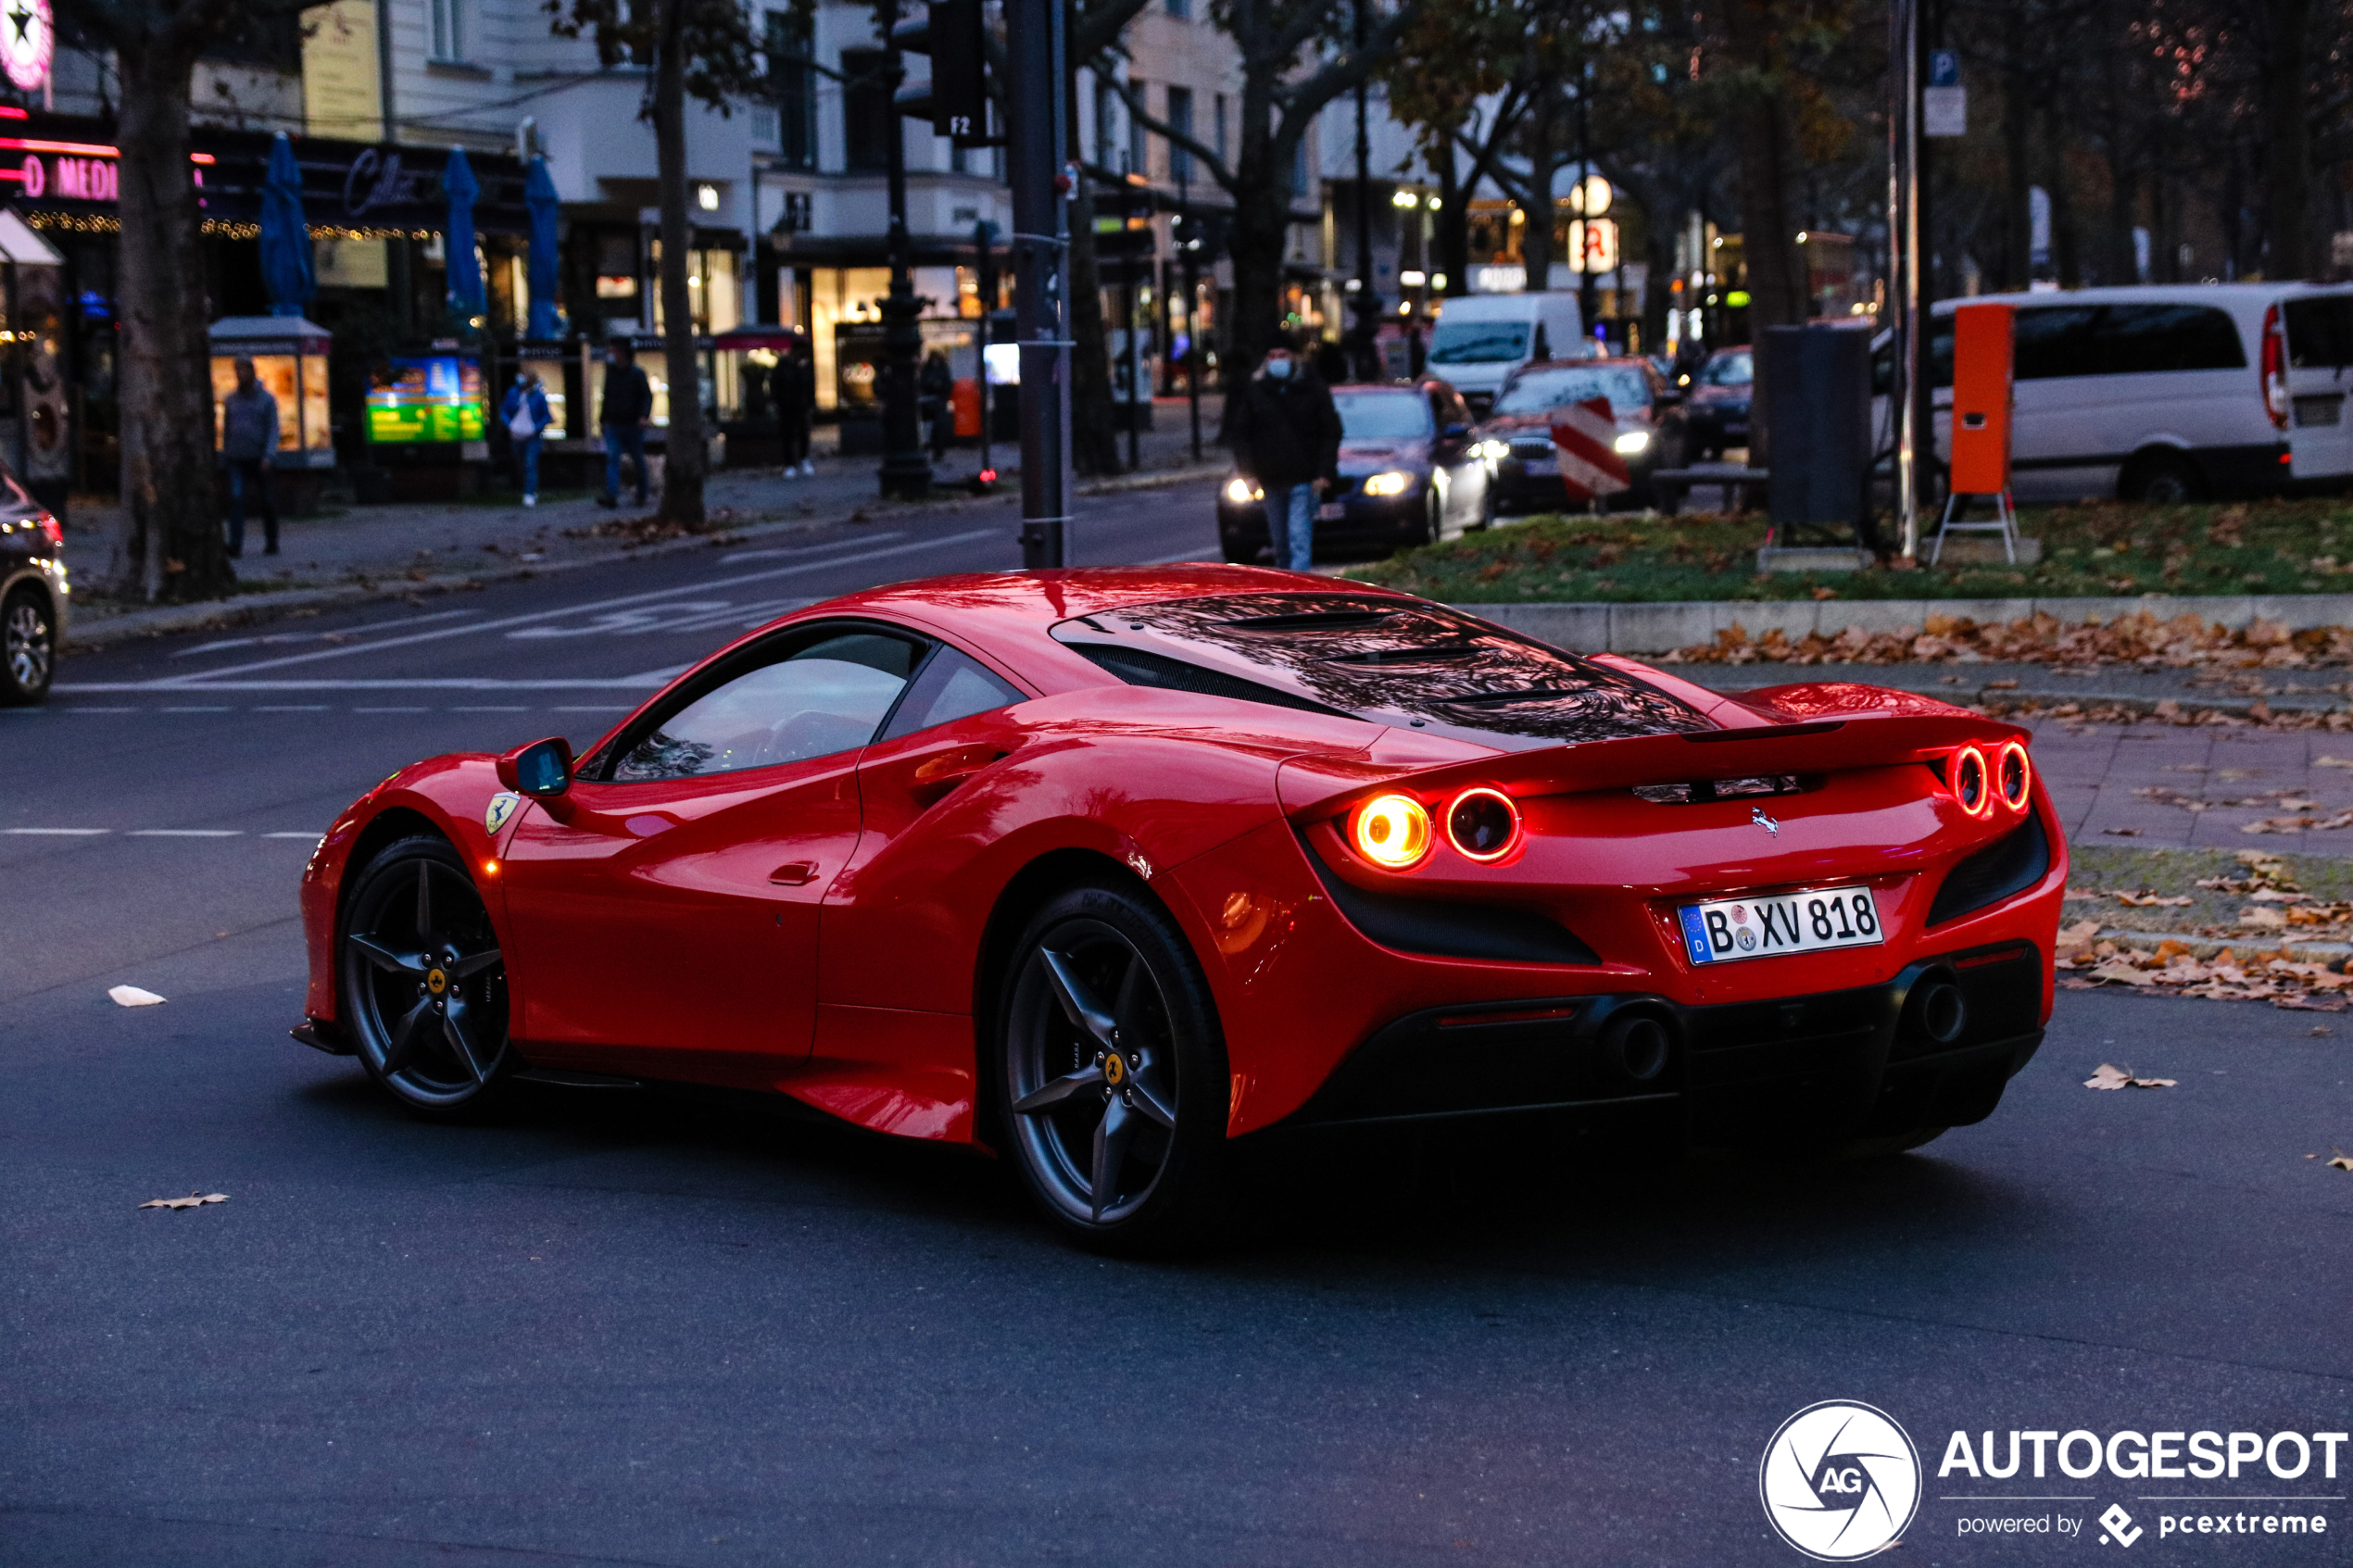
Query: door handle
(794, 873)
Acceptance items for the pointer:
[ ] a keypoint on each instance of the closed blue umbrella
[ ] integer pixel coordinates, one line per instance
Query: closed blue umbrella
(286, 237)
(458, 238)
(539, 196)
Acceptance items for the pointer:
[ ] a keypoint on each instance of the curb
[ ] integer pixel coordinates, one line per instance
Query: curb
(1656, 628)
(2203, 947)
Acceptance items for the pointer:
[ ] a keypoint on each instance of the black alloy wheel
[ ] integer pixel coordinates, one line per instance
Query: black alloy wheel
(424, 990)
(2162, 481)
(1112, 1073)
(28, 648)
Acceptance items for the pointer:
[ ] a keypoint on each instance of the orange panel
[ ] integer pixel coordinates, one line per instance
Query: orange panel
(1982, 399)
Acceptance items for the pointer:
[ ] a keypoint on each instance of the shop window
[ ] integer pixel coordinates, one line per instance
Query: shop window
(865, 112)
(1180, 120)
(1138, 147)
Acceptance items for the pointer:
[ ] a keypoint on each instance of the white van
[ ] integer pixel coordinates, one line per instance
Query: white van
(1482, 338)
(2169, 392)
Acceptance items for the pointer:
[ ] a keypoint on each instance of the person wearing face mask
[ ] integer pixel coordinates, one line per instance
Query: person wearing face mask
(527, 416)
(627, 404)
(1286, 442)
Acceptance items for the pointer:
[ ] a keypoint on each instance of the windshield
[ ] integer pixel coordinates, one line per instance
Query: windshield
(1732, 367)
(1476, 342)
(1382, 416)
(1539, 390)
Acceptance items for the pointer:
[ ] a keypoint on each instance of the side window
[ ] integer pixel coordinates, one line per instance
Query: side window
(1939, 368)
(951, 686)
(2056, 340)
(2137, 339)
(825, 693)
(2319, 332)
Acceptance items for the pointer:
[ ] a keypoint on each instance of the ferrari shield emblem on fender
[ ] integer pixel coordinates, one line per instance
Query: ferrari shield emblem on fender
(495, 816)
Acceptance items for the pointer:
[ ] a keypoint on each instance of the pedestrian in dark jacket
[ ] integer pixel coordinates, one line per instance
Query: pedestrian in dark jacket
(527, 417)
(936, 386)
(795, 381)
(627, 405)
(1286, 440)
(249, 446)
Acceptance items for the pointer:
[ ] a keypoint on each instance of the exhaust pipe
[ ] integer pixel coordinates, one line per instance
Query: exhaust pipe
(1939, 1010)
(1638, 1045)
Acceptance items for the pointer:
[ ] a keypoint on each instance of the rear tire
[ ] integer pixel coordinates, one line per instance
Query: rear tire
(2161, 479)
(28, 648)
(1109, 1074)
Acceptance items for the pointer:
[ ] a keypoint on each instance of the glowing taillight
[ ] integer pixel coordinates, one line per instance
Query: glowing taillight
(2014, 775)
(51, 530)
(1390, 830)
(1483, 824)
(2275, 399)
(1968, 778)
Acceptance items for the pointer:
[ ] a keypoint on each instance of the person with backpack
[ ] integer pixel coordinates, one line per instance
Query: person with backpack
(527, 416)
(1286, 442)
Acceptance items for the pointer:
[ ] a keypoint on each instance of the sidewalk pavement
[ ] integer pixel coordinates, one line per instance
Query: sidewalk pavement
(354, 553)
(2151, 784)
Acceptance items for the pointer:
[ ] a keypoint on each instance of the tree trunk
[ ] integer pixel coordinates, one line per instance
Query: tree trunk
(2287, 151)
(2018, 210)
(1543, 161)
(686, 457)
(170, 544)
(1769, 239)
(1452, 236)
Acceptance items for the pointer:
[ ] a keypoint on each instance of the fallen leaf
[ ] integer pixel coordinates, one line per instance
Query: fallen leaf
(2001, 686)
(2320, 1029)
(2133, 832)
(2342, 1161)
(2332, 761)
(2081, 931)
(2122, 969)
(131, 997)
(2253, 916)
(2109, 1077)
(2151, 900)
(193, 1201)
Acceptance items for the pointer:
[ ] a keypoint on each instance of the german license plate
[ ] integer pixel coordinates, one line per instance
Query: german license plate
(1539, 465)
(1730, 929)
(1331, 511)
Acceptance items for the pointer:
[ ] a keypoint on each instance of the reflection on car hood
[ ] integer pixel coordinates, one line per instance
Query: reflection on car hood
(1387, 660)
(1505, 426)
(1358, 457)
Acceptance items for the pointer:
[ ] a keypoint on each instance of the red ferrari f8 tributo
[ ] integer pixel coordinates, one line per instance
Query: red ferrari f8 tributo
(1100, 870)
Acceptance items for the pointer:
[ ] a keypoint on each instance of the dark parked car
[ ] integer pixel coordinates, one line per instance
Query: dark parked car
(1408, 476)
(1518, 436)
(1715, 408)
(32, 594)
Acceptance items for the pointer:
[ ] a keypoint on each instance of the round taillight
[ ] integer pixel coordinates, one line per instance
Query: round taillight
(1391, 830)
(1972, 788)
(1483, 824)
(2014, 775)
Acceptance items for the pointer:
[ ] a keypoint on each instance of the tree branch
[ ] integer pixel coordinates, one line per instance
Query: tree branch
(1160, 127)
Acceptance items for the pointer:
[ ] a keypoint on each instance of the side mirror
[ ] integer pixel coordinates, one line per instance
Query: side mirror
(1456, 432)
(541, 770)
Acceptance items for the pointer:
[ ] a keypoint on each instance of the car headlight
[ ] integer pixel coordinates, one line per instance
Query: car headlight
(1633, 441)
(1493, 450)
(1391, 483)
(1242, 492)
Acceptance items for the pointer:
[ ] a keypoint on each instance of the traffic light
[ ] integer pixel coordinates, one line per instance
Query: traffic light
(956, 98)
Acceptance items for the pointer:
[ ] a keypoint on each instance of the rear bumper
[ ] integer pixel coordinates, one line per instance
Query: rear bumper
(1803, 1069)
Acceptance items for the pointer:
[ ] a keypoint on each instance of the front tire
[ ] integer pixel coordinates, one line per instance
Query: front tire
(1111, 1073)
(422, 983)
(2161, 480)
(28, 648)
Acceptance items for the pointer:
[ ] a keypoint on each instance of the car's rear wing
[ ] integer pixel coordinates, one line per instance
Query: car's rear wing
(1312, 786)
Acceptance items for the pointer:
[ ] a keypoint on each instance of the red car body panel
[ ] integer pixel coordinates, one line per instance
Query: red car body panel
(821, 928)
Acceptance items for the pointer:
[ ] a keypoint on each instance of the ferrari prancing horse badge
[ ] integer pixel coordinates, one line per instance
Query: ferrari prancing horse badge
(501, 806)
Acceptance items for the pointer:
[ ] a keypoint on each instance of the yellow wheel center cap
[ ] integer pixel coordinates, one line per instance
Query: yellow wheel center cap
(1114, 1070)
(436, 982)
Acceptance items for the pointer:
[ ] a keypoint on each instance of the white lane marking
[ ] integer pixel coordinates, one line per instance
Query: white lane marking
(183, 682)
(388, 710)
(597, 708)
(194, 710)
(313, 836)
(103, 711)
(295, 708)
(225, 643)
(488, 708)
(187, 833)
(58, 833)
(413, 684)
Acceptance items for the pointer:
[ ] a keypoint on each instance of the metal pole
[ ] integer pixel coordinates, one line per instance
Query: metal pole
(1904, 264)
(1035, 136)
(1587, 297)
(984, 241)
(906, 466)
(1139, 395)
(1368, 302)
(1186, 250)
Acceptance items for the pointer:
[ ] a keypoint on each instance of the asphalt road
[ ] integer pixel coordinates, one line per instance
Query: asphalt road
(681, 1329)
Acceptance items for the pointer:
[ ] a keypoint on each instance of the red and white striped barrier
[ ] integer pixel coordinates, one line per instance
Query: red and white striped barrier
(1585, 435)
